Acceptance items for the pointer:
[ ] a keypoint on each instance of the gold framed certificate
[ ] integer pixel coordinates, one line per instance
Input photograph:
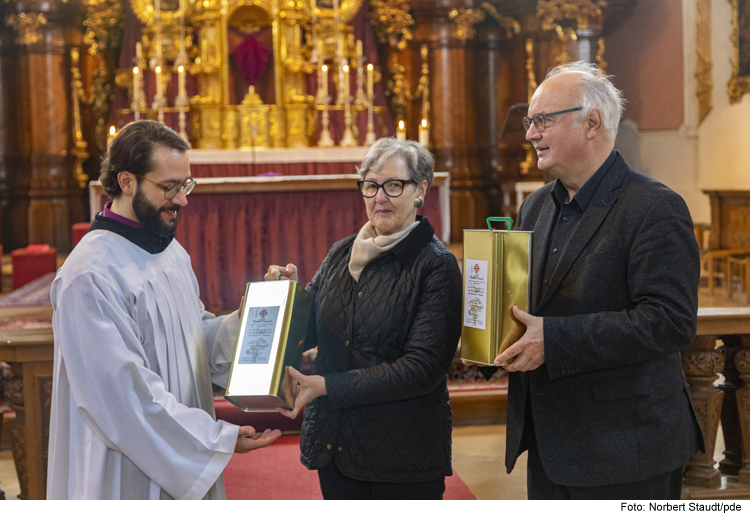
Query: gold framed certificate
(273, 323)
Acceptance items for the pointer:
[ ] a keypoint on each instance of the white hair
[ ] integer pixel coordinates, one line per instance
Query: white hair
(595, 91)
(419, 160)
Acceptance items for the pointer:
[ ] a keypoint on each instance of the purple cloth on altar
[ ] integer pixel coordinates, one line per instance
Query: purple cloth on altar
(251, 57)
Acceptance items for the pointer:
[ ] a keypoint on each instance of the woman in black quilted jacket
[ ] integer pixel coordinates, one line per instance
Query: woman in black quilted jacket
(386, 319)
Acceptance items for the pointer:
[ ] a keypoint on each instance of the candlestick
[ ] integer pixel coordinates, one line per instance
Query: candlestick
(401, 132)
(370, 136)
(325, 135)
(370, 73)
(359, 98)
(322, 75)
(182, 62)
(347, 90)
(158, 103)
(341, 92)
(324, 87)
(315, 54)
(348, 139)
(136, 93)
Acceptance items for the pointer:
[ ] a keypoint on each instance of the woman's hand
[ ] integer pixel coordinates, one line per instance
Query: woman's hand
(308, 388)
(281, 273)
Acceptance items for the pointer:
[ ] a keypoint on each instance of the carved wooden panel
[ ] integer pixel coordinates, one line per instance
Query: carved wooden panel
(730, 219)
(702, 364)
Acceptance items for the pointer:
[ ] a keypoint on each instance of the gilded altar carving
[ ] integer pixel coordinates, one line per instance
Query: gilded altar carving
(704, 66)
(229, 134)
(465, 19)
(582, 13)
(391, 22)
(27, 27)
(739, 84)
(104, 21)
(600, 48)
(254, 121)
(80, 145)
(398, 88)
(567, 17)
(509, 24)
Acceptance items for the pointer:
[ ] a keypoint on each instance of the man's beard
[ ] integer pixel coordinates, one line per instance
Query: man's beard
(150, 216)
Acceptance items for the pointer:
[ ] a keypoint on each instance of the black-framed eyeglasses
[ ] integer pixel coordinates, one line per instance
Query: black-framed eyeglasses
(539, 120)
(171, 190)
(392, 188)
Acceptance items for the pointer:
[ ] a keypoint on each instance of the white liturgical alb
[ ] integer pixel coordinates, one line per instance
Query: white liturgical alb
(135, 355)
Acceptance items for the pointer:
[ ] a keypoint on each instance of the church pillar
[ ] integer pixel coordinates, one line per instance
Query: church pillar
(492, 96)
(44, 185)
(451, 75)
(12, 233)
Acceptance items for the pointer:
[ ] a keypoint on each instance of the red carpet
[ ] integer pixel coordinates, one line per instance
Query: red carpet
(276, 473)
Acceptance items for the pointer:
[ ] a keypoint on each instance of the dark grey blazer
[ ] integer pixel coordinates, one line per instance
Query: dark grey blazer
(610, 404)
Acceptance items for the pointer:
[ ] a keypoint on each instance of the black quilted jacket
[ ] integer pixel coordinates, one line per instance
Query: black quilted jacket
(384, 347)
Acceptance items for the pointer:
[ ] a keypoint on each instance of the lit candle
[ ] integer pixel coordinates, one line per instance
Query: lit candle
(370, 71)
(181, 88)
(401, 132)
(424, 134)
(159, 86)
(347, 91)
(324, 84)
(112, 134)
(136, 93)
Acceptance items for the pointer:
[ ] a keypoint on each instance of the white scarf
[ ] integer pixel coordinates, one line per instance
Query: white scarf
(369, 245)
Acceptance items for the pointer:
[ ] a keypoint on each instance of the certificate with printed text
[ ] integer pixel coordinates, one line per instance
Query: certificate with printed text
(475, 296)
(261, 325)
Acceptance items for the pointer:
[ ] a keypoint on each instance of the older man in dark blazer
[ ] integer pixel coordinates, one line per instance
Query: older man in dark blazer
(597, 394)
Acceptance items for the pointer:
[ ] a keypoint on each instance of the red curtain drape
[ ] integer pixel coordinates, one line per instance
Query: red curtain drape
(233, 238)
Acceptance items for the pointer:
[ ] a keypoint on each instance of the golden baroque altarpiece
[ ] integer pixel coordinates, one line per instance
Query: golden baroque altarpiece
(445, 72)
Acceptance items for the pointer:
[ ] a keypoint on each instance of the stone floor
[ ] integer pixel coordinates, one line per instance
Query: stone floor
(478, 457)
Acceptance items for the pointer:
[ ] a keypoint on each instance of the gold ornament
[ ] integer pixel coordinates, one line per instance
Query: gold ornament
(509, 24)
(27, 27)
(392, 22)
(465, 20)
(566, 17)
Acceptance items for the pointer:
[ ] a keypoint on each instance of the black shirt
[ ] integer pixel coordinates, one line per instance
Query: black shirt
(569, 214)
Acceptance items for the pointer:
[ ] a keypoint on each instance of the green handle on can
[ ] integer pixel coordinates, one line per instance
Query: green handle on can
(500, 219)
